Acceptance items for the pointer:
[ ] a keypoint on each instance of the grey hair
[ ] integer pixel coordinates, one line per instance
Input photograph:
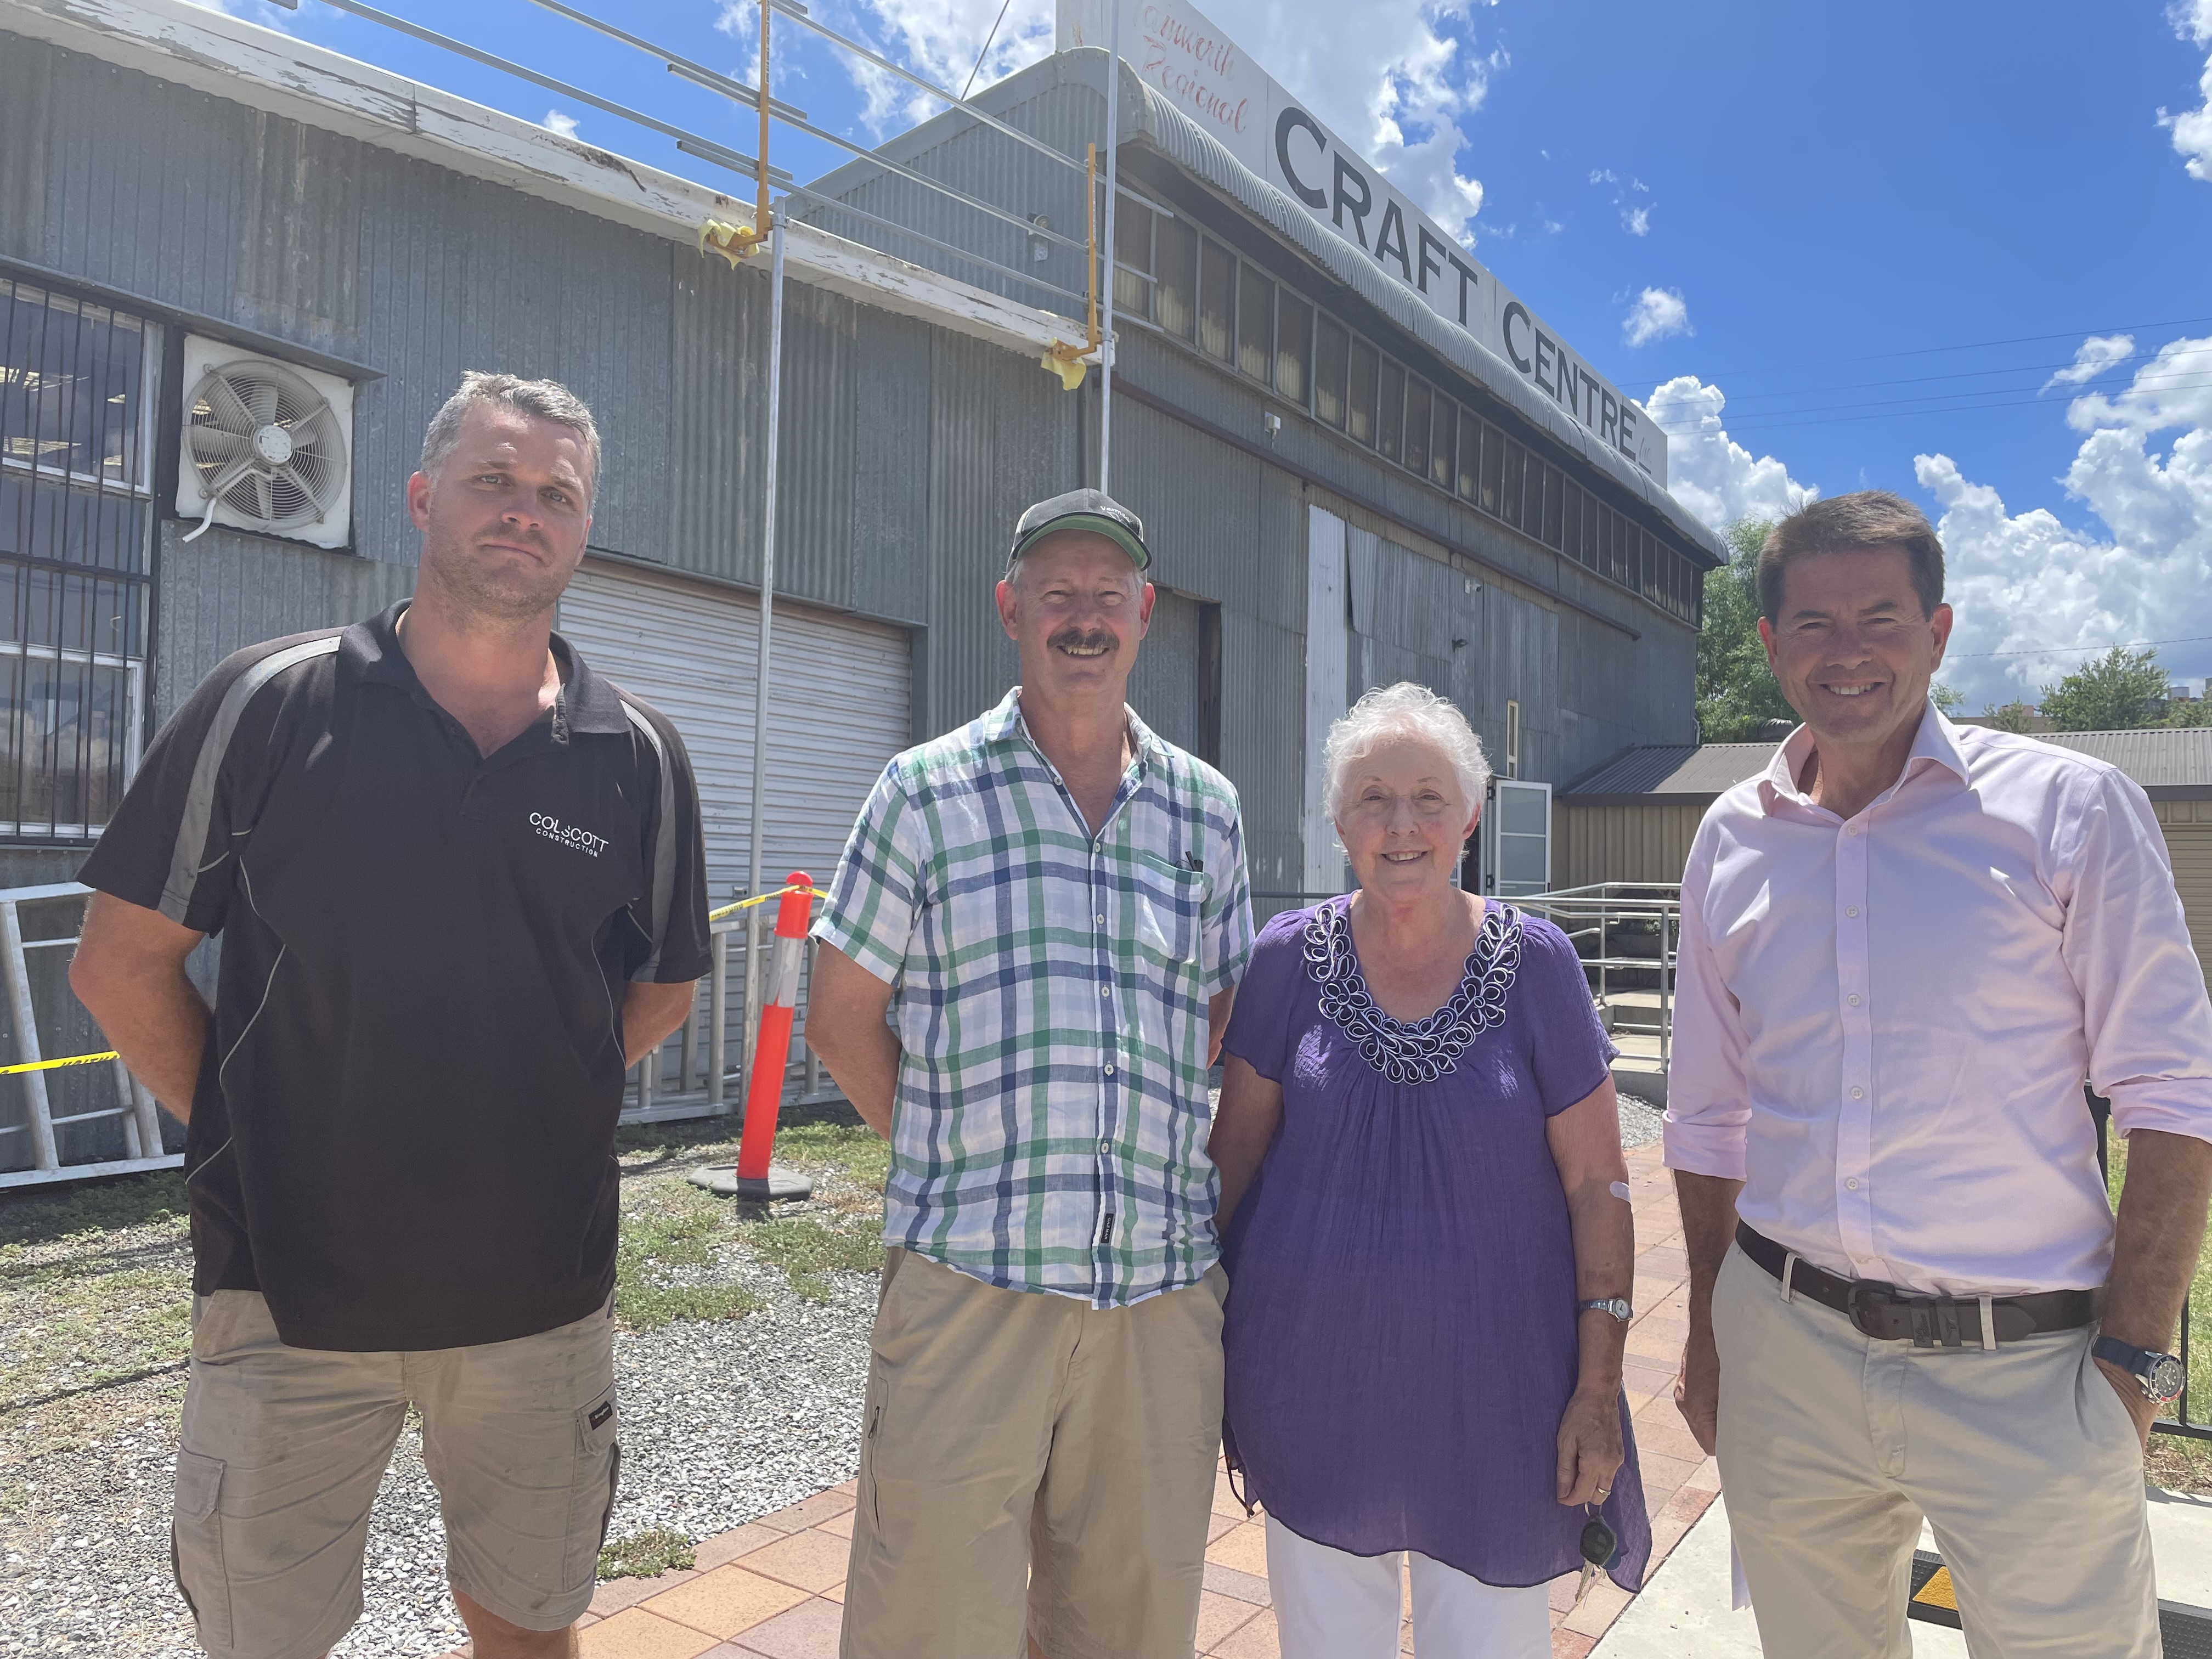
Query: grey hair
(543, 400)
(1403, 710)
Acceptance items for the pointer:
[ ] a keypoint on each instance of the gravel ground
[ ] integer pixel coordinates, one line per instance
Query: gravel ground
(723, 1422)
(1640, 1121)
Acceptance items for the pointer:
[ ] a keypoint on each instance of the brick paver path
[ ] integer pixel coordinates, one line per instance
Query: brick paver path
(775, 1588)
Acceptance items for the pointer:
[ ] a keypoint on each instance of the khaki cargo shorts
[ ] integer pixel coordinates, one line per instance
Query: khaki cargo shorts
(284, 1449)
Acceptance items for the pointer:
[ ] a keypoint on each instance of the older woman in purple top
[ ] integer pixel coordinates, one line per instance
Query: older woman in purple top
(1419, 1147)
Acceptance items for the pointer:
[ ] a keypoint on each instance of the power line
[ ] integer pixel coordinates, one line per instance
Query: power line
(2053, 650)
(1760, 424)
(2189, 381)
(1973, 346)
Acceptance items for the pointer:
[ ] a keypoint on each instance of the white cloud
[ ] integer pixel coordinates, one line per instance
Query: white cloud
(564, 124)
(1388, 77)
(1637, 222)
(1659, 313)
(2192, 129)
(1709, 472)
(2026, 584)
(2092, 357)
(2173, 389)
(1635, 216)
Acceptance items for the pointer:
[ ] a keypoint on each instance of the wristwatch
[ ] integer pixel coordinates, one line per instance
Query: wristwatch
(1616, 1305)
(2162, 1374)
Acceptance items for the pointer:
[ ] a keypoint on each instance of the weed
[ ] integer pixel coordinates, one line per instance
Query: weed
(646, 1554)
(670, 1225)
(806, 1249)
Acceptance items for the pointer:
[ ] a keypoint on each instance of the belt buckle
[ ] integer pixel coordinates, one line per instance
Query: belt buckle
(1862, 1303)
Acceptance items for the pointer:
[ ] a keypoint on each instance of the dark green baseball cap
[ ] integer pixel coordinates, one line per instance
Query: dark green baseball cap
(1093, 510)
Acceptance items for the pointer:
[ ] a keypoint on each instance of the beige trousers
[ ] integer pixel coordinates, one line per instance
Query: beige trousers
(1031, 1464)
(1833, 1446)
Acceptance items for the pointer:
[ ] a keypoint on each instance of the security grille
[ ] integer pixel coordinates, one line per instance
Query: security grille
(75, 525)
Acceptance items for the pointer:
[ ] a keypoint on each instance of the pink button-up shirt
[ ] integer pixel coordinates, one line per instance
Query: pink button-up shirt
(1882, 1025)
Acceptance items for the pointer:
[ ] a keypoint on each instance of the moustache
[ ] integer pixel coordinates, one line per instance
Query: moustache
(1095, 639)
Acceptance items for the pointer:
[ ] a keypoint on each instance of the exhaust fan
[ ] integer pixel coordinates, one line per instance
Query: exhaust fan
(265, 446)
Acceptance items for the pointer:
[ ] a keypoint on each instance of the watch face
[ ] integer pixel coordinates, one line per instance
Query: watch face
(2166, 1377)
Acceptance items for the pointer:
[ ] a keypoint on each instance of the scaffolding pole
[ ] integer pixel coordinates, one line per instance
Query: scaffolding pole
(1106, 253)
(753, 887)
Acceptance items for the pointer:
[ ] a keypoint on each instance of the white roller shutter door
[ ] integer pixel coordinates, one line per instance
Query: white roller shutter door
(837, 709)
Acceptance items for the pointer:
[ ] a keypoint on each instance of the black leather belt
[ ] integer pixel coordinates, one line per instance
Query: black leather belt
(1888, 1314)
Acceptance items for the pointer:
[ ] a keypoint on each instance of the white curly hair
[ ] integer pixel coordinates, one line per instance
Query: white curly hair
(1403, 710)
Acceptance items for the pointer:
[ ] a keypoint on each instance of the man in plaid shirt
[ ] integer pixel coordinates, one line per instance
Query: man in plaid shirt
(1030, 948)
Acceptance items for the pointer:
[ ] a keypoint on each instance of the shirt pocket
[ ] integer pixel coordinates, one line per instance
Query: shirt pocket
(1164, 905)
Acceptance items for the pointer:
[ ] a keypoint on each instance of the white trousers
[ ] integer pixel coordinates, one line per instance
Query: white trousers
(1832, 1446)
(1333, 1605)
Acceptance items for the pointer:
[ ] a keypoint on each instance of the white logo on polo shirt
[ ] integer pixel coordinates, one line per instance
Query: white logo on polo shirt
(567, 834)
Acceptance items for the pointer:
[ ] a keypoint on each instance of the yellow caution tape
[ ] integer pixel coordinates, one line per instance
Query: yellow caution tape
(1937, 1591)
(49, 1065)
(761, 898)
(732, 242)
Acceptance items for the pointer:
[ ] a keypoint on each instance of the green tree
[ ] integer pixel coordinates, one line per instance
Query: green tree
(2011, 716)
(2119, 692)
(1736, 692)
(2197, 712)
(1946, 697)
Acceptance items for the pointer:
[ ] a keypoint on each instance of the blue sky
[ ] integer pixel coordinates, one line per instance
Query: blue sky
(1833, 247)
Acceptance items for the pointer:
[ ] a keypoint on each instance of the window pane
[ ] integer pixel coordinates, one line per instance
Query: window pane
(1417, 402)
(70, 387)
(1361, 421)
(1217, 300)
(1571, 520)
(1509, 503)
(1493, 465)
(1175, 288)
(1332, 359)
(1293, 332)
(1133, 236)
(1390, 420)
(1470, 456)
(1255, 323)
(1444, 445)
(1133, 259)
(1555, 490)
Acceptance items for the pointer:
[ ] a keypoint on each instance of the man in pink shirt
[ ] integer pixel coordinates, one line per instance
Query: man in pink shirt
(1905, 948)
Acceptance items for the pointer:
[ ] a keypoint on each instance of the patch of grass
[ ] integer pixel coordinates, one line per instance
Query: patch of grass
(646, 1554)
(670, 1225)
(807, 1248)
(863, 1156)
(88, 1206)
(2180, 1465)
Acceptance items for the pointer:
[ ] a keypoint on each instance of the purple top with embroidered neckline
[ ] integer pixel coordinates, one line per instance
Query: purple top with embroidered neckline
(1400, 1337)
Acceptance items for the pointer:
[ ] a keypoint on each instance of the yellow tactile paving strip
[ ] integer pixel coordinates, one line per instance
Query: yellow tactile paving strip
(774, 1587)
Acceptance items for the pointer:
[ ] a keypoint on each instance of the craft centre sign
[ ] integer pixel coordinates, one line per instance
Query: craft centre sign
(1172, 46)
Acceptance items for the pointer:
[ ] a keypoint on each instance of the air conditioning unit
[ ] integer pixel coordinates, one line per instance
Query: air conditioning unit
(265, 446)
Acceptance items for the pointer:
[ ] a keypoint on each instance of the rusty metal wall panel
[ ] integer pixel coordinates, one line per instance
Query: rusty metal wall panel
(989, 166)
(229, 590)
(1164, 685)
(1262, 742)
(971, 661)
(1591, 844)
(889, 484)
(290, 231)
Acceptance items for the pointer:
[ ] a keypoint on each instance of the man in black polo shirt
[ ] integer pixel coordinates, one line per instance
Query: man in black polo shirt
(460, 885)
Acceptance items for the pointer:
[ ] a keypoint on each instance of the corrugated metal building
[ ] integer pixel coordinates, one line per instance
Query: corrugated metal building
(1632, 819)
(1340, 489)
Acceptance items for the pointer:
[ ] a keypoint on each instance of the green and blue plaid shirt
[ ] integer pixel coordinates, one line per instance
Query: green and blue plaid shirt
(1049, 992)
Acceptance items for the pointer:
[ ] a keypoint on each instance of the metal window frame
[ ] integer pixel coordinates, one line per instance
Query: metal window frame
(153, 333)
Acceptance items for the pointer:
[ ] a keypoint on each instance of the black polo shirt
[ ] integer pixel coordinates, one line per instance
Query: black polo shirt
(403, 1134)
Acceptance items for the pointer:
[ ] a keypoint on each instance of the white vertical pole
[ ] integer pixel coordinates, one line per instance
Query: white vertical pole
(753, 888)
(1106, 255)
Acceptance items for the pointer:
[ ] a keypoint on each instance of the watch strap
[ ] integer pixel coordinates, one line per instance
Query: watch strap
(2139, 1363)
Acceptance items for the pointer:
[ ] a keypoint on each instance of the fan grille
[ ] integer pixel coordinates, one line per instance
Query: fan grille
(237, 403)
